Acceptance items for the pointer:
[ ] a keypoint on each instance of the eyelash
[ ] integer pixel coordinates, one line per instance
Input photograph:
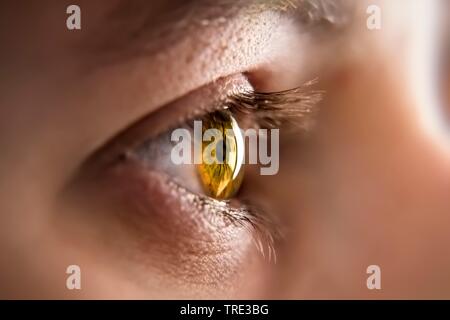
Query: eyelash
(264, 227)
(289, 109)
(292, 108)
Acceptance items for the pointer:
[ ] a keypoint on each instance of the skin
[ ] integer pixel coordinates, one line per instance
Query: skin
(369, 185)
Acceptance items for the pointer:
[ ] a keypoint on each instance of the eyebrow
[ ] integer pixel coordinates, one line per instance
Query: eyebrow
(136, 20)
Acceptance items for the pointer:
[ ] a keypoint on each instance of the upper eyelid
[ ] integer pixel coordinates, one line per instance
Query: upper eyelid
(297, 105)
(196, 103)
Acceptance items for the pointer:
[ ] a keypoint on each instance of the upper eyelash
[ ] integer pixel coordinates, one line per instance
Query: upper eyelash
(292, 109)
(295, 107)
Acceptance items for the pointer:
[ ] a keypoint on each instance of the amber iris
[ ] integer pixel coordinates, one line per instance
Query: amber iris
(221, 170)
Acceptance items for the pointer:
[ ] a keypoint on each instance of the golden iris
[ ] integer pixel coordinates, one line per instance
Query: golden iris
(221, 169)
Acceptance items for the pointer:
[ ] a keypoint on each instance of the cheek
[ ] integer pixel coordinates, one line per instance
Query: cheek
(373, 191)
(371, 145)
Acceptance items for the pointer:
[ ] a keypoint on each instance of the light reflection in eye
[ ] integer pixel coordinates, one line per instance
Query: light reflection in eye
(221, 171)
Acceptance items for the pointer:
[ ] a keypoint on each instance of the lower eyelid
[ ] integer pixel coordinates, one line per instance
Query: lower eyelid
(154, 199)
(172, 222)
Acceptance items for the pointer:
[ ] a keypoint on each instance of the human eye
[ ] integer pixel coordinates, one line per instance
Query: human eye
(198, 209)
(208, 152)
(223, 149)
(196, 225)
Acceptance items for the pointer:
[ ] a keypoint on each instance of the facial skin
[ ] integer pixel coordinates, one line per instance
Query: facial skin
(367, 186)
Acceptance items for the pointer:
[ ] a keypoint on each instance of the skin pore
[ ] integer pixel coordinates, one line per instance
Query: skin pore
(368, 185)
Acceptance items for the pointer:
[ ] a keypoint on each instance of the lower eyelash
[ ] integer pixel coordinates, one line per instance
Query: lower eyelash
(263, 227)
